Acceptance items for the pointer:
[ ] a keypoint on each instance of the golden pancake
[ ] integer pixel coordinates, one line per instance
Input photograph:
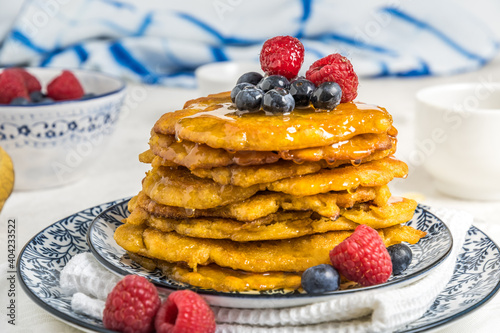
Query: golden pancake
(401, 233)
(359, 147)
(140, 216)
(193, 155)
(216, 228)
(246, 176)
(280, 225)
(149, 157)
(374, 173)
(284, 226)
(292, 255)
(220, 126)
(264, 204)
(220, 278)
(178, 187)
(384, 216)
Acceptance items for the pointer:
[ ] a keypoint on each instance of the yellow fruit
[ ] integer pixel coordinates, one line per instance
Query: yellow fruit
(6, 177)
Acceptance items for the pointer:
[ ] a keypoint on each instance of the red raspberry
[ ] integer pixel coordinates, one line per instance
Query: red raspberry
(12, 86)
(31, 82)
(131, 306)
(185, 311)
(65, 87)
(363, 257)
(335, 68)
(282, 55)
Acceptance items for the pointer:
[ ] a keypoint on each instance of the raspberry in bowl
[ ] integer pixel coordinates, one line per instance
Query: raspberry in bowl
(58, 124)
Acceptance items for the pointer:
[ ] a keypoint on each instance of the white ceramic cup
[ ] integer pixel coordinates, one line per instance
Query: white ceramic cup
(458, 138)
(217, 77)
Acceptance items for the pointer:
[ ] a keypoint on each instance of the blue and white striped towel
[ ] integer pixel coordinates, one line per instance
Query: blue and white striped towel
(163, 42)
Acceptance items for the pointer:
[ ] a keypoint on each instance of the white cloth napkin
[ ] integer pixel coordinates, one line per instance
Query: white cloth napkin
(83, 274)
(383, 311)
(162, 42)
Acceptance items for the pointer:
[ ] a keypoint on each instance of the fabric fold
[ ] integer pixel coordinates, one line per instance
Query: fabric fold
(163, 42)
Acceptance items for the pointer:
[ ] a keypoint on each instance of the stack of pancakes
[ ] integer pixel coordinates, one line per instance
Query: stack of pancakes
(248, 201)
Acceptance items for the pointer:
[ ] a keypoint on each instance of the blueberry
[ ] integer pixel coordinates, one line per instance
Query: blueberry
(301, 91)
(249, 99)
(326, 96)
(250, 77)
(319, 279)
(19, 101)
(237, 88)
(36, 96)
(400, 256)
(273, 81)
(278, 100)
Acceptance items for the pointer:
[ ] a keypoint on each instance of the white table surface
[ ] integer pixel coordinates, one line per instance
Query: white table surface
(118, 174)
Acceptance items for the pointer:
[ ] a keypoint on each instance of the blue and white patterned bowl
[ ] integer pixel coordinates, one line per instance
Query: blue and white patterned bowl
(54, 144)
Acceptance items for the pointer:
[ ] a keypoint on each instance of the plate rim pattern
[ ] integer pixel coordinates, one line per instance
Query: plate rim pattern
(85, 217)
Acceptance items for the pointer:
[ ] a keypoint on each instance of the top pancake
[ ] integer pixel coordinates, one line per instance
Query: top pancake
(214, 121)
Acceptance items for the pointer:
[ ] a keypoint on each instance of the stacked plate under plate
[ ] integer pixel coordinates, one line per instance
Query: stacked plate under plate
(92, 230)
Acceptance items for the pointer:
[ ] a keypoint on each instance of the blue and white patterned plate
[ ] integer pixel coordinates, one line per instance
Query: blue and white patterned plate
(475, 279)
(427, 254)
